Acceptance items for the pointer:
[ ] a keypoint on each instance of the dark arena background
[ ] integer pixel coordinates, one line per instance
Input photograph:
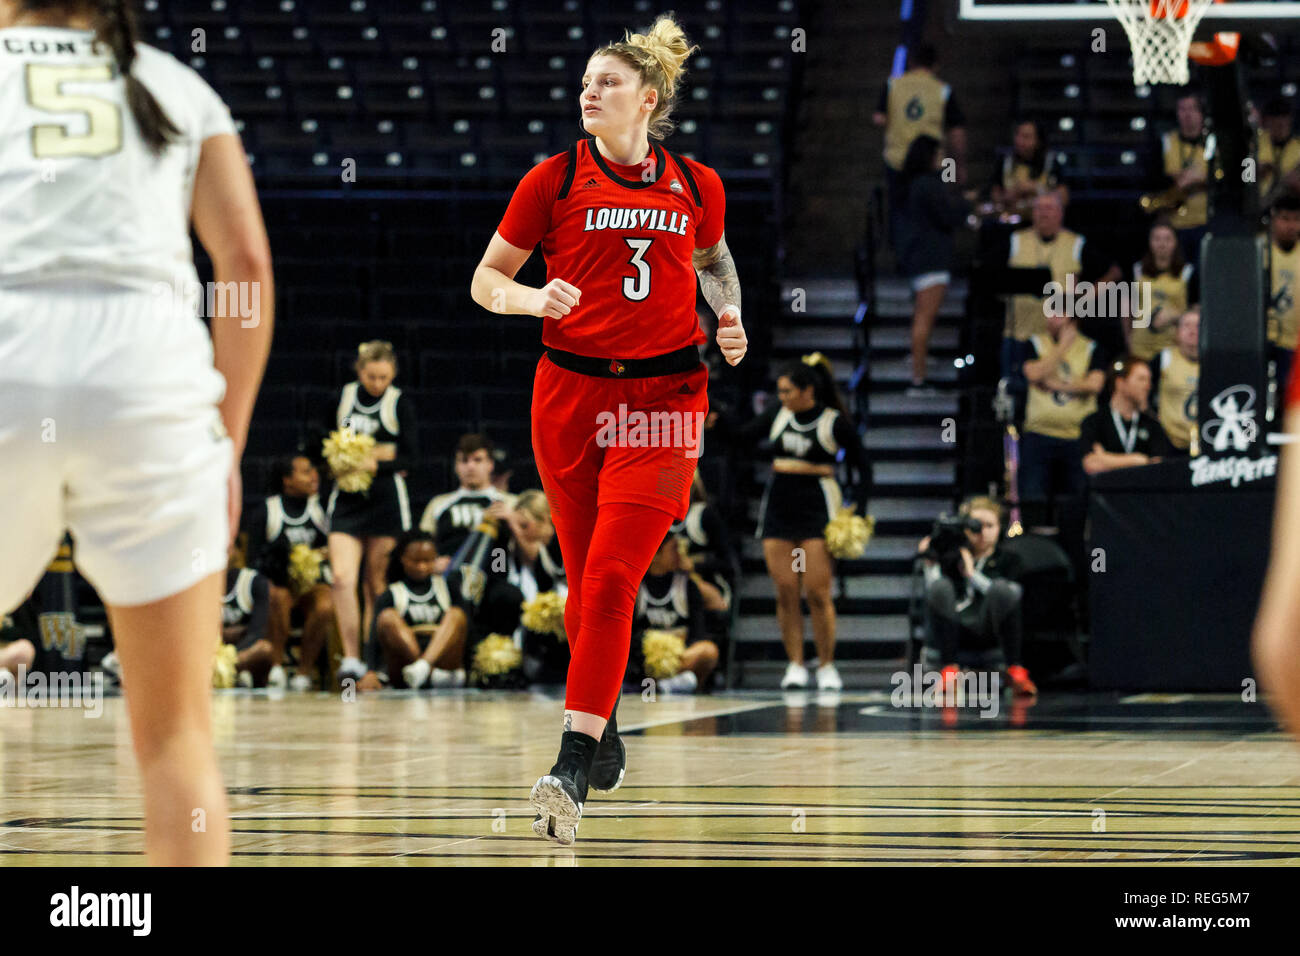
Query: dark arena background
(1123, 727)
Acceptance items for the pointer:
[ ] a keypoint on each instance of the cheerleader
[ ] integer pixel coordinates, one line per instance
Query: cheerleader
(293, 517)
(1171, 281)
(17, 651)
(493, 582)
(245, 608)
(809, 432)
(109, 151)
(625, 227)
(408, 613)
(670, 599)
(707, 557)
(367, 523)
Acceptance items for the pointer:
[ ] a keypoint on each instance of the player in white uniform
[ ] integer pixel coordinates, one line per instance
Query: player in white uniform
(114, 422)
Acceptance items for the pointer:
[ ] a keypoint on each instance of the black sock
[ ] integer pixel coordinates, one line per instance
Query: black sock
(577, 748)
(611, 725)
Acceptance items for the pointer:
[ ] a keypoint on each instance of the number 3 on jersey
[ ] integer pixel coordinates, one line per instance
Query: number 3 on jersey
(637, 287)
(103, 118)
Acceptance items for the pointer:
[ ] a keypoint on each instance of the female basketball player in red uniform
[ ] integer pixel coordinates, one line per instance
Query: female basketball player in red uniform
(624, 226)
(107, 152)
(1276, 642)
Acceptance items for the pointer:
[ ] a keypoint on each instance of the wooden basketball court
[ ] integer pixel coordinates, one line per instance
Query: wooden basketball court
(443, 779)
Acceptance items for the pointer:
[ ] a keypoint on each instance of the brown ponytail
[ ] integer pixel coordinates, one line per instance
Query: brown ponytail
(116, 29)
(815, 370)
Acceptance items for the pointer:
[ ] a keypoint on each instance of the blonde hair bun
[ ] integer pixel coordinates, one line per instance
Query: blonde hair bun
(659, 56)
(376, 350)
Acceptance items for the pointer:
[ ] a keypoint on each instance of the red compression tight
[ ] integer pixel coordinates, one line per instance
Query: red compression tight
(607, 552)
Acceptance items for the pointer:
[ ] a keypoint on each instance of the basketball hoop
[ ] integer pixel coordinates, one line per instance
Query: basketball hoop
(1160, 35)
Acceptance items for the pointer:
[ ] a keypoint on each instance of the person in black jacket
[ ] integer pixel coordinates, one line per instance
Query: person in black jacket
(1123, 434)
(983, 609)
(931, 210)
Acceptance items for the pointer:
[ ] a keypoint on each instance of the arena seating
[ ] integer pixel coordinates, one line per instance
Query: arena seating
(441, 123)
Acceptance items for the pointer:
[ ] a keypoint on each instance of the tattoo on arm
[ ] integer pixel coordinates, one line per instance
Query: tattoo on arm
(718, 278)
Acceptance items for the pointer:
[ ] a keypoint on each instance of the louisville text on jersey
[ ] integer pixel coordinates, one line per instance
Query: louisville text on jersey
(658, 220)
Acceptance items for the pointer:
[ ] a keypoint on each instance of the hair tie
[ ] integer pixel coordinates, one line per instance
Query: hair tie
(816, 358)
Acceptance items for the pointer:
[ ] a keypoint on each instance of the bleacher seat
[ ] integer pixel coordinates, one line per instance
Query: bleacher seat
(352, 14)
(272, 438)
(339, 303)
(278, 402)
(438, 439)
(447, 369)
(289, 367)
(281, 39)
(283, 13)
(445, 406)
(344, 335)
(251, 99)
(318, 402)
(433, 41)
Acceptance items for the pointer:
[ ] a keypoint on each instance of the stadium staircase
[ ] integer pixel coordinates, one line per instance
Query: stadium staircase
(914, 470)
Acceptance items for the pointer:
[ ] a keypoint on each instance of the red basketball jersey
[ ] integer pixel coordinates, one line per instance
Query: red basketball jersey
(624, 236)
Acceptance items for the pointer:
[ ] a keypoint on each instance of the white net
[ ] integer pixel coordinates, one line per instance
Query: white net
(1158, 37)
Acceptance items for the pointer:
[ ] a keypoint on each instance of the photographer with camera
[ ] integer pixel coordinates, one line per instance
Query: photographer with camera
(972, 593)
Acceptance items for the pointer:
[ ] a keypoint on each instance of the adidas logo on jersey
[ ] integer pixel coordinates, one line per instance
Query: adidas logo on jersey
(590, 183)
(657, 220)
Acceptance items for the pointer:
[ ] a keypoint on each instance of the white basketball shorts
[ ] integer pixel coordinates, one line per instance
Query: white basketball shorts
(109, 429)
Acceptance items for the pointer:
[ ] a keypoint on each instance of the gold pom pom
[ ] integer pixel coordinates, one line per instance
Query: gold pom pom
(347, 451)
(847, 534)
(544, 614)
(496, 654)
(224, 665)
(304, 568)
(663, 653)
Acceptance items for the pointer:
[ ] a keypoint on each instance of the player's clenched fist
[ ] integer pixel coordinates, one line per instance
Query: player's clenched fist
(731, 336)
(555, 299)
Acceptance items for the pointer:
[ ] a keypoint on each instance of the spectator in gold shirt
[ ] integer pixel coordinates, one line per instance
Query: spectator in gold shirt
(1277, 151)
(1175, 374)
(913, 104)
(1284, 267)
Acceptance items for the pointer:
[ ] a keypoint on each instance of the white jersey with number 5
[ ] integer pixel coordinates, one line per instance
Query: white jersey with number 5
(81, 195)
